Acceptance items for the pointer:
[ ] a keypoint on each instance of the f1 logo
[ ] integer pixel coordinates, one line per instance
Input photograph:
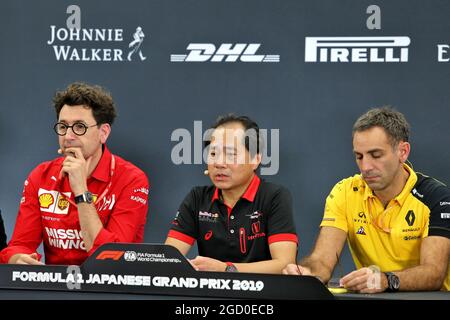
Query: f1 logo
(109, 254)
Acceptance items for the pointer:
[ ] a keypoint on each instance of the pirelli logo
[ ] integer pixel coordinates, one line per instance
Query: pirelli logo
(356, 49)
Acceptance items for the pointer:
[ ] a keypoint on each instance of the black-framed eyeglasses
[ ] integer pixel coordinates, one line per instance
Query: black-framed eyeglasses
(79, 128)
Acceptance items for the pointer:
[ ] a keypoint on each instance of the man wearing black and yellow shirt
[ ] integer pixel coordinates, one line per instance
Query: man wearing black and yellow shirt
(396, 221)
(241, 223)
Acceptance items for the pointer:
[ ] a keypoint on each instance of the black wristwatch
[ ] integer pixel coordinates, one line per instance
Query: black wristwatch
(84, 197)
(393, 282)
(230, 267)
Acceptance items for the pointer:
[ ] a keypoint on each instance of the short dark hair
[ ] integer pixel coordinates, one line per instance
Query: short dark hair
(392, 121)
(95, 97)
(251, 129)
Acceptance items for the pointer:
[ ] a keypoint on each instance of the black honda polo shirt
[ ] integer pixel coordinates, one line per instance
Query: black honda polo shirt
(241, 234)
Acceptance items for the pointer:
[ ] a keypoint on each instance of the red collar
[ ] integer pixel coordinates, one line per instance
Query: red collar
(249, 194)
(102, 171)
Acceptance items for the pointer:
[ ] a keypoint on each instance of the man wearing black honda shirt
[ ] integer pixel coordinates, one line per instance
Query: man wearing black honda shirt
(241, 223)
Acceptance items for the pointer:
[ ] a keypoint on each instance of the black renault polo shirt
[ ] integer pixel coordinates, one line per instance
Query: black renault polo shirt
(262, 216)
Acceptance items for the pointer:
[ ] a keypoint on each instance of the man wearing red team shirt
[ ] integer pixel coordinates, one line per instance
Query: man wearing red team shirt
(87, 197)
(241, 222)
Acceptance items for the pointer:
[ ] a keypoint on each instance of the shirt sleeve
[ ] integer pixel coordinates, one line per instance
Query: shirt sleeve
(127, 219)
(27, 235)
(439, 223)
(184, 225)
(281, 226)
(335, 208)
(2, 233)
